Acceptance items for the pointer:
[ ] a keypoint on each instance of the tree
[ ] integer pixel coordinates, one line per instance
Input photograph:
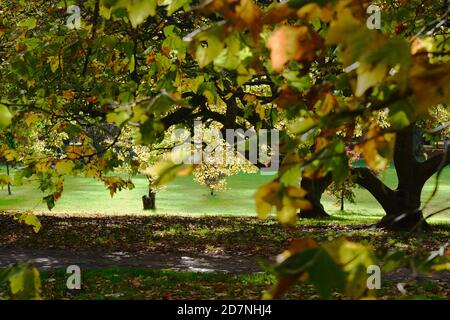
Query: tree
(313, 70)
(403, 205)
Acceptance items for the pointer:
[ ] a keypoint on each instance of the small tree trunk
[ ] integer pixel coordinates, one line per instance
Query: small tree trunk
(342, 200)
(149, 201)
(315, 188)
(9, 184)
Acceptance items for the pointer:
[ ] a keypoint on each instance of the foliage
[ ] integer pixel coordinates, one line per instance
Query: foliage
(219, 161)
(337, 265)
(343, 265)
(24, 282)
(312, 69)
(30, 219)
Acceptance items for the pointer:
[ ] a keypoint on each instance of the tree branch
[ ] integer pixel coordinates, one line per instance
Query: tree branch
(368, 180)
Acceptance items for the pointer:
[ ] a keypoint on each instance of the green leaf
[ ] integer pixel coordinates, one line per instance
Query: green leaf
(209, 45)
(29, 23)
(174, 5)
(302, 125)
(24, 282)
(138, 10)
(5, 117)
(355, 259)
(50, 201)
(340, 169)
(160, 104)
(401, 114)
(323, 271)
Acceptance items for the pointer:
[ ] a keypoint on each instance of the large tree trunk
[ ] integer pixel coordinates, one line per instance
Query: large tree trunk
(402, 205)
(315, 188)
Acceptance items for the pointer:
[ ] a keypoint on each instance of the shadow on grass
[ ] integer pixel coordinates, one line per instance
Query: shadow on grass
(200, 235)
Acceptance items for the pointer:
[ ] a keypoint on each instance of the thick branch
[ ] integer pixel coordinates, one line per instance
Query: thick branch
(434, 164)
(368, 180)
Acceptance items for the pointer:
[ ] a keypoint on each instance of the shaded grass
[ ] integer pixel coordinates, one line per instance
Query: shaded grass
(125, 283)
(231, 235)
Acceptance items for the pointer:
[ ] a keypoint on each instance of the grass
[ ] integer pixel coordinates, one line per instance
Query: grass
(183, 196)
(87, 219)
(228, 235)
(124, 283)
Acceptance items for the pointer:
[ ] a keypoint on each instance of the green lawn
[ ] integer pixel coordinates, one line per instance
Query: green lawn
(184, 197)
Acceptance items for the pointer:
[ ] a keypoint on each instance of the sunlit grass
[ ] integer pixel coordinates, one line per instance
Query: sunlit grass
(183, 196)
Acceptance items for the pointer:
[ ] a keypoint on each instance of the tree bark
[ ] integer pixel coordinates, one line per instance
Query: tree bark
(315, 188)
(149, 201)
(9, 184)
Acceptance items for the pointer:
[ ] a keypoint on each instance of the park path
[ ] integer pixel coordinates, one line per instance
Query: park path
(54, 259)
(235, 264)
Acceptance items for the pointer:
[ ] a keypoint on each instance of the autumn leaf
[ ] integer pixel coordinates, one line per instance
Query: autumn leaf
(292, 43)
(313, 10)
(249, 16)
(30, 219)
(68, 94)
(265, 198)
(369, 76)
(279, 13)
(328, 105)
(378, 148)
(430, 84)
(64, 166)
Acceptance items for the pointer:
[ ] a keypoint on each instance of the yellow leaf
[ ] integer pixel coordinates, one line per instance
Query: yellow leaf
(328, 104)
(430, 84)
(42, 166)
(287, 215)
(265, 198)
(11, 155)
(68, 94)
(30, 219)
(369, 76)
(64, 166)
(378, 149)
